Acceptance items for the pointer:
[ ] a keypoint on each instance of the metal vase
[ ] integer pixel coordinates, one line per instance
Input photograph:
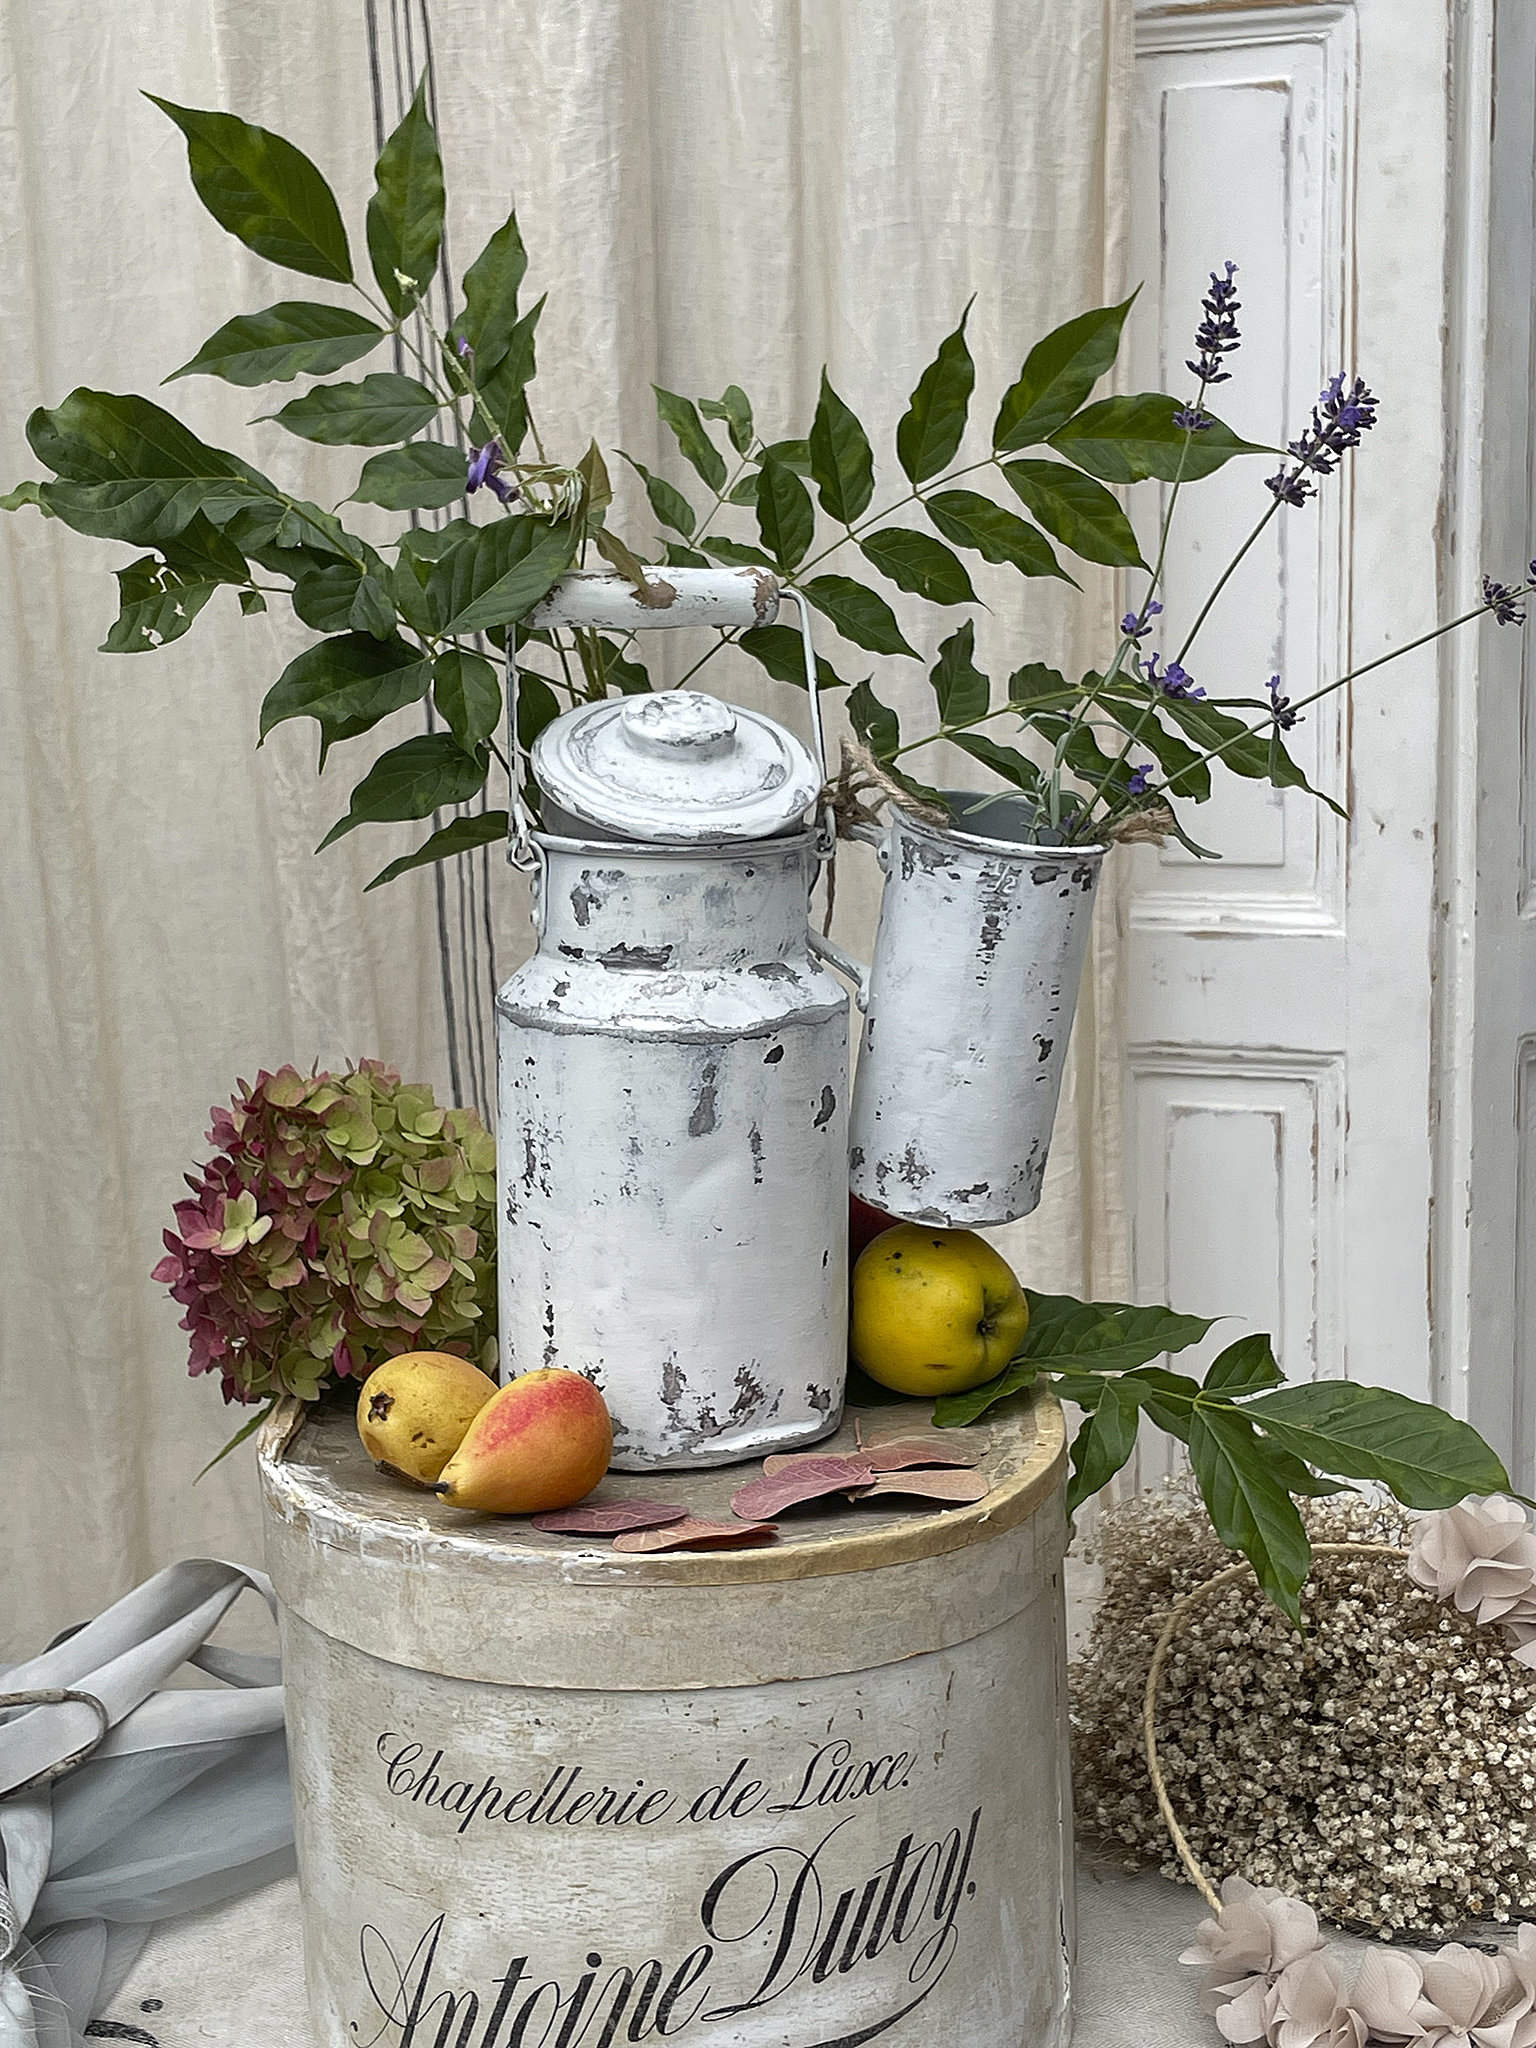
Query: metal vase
(673, 1118)
(970, 1003)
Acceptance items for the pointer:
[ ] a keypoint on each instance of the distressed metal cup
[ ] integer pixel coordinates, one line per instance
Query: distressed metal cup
(968, 1008)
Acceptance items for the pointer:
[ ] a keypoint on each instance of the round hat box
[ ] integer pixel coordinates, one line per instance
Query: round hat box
(549, 1795)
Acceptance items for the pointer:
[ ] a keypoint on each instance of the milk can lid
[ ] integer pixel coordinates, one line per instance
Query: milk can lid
(675, 767)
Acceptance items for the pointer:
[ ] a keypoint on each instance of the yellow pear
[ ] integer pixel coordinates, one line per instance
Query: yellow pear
(935, 1311)
(543, 1442)
(413, 1411)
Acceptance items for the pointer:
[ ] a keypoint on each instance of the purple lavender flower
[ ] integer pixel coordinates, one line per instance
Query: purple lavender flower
(1285, 717)
(1136, 625)
(1174, 681)
(1506, 604)
(485, 466)
(463, 351)
(1216, 336)
(1141, 775)
(1339, 419)
(1191, 419)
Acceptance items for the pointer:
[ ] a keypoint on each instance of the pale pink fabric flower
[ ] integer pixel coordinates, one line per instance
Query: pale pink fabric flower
(1481, 1555)
(1388, 1988)
(1471, 2000)
(1260, 1931)
(1304, 2008)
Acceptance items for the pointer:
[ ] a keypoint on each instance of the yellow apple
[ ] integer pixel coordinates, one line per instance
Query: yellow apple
(935, 1311)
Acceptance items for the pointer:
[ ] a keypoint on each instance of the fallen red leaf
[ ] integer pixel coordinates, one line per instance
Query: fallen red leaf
(695, 1534)
(898, 1452)
(803, 1479)
(956, 1489)
(609, 1518)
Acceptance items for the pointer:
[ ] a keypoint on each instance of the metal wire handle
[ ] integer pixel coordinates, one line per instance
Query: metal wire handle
(524, 855)
(58, 1696)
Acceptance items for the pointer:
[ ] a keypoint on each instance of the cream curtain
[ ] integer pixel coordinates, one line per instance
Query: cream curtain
(711, 190)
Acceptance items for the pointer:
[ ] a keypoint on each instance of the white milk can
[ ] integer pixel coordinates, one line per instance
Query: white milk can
(968, 1008)
(552, 1796)
(673, 1068)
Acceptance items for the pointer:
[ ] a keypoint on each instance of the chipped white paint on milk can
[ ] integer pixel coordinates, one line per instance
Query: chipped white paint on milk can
(549, 1796)
(970, 1004)
(673, 1067)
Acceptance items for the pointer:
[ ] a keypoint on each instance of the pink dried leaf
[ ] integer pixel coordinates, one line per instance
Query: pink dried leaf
(954, 1489)
(694, 1533)
(897, 1453)
(610, 1518)
(809, 1479)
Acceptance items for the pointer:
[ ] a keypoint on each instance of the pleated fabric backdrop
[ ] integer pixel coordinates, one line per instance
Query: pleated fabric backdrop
(711, 190)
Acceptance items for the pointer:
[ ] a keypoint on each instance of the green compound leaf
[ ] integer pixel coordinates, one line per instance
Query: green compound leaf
(933, 425)
(1249, 1507)
(423, 476)
(156, 606)
(289, 340)
(692, 436)
(859, 614)
(128, 470)
(405, 214)
(491, 285)
(1067, 1335)
(1081, 513)
(735, 408)
(667, 502)
(875, 723)
(781, 651)
(1246, 1367)
(484, 828)
(1013, 766)
(1104, 1443)
(346, 685)
(972, 521)
(1429, 1459)
(786, 518)
(467, 691)
(426, 774)
(734, 553)
(918, 563)
(503, 392)
(842, 462)
(497, 573)
(1125, 440)
(1058, 374)
(962, 691)
(264, 191)
(383, 407)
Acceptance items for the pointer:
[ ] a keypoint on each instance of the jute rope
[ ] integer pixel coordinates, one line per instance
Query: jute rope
(1177, 1614)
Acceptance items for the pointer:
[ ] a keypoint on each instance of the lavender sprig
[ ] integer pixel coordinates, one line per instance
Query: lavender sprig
(1174, 681)
(485, 466)
(1215, 337)
(1339, 419)
(1507, 608)
(1285, 715)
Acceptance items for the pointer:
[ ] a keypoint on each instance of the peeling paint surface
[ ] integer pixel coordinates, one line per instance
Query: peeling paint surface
(974, 983)
(673, 1116)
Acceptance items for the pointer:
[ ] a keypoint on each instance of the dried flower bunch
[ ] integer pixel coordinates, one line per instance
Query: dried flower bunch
(1380, 1766)
(346, 1217)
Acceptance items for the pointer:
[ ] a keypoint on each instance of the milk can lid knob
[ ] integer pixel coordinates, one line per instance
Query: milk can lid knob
(675, 767)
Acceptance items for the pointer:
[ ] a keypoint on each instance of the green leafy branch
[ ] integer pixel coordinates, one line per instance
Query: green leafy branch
(1254, 1442)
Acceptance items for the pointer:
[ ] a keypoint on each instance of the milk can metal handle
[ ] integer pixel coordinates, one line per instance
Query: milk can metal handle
(719, 597)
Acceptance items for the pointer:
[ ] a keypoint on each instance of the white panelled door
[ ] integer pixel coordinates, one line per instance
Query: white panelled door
(1289, 1006)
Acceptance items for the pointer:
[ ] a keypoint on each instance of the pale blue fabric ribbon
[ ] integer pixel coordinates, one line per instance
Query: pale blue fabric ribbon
(181, 1797)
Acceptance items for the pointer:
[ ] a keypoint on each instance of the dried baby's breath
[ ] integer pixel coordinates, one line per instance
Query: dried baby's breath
(1380, 1765)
